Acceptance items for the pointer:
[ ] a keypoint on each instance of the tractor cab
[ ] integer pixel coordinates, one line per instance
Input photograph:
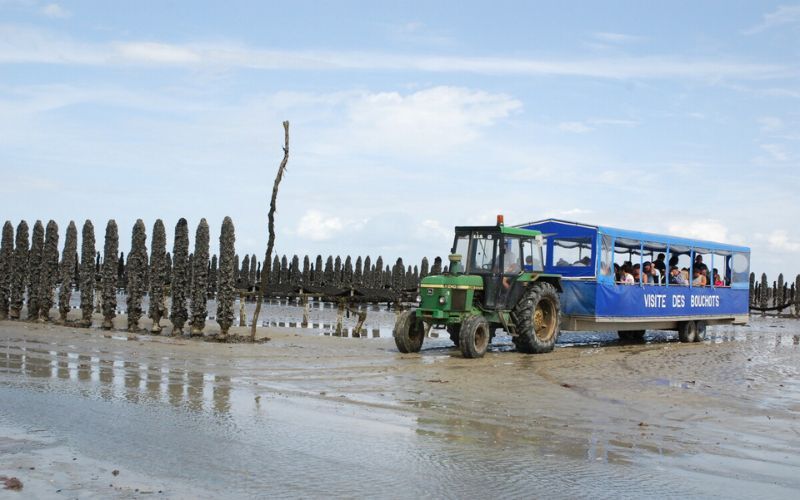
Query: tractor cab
(495, 280)
(500, 256)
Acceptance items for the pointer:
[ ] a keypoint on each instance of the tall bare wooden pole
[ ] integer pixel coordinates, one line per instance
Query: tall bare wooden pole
(262, 289)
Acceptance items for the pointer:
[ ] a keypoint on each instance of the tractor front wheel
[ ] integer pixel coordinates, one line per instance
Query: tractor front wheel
(538, 319)
(474, 337)
(408, 332)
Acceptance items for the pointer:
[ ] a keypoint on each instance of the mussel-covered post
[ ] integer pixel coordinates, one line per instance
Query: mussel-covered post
(764, 293)
(6, 267)
(35, 270)
(20, 274)
(797, 296)
(180, 276)
(87, 273)
(69, 257)
(109, 283)
(158, 274)
(226, 285)
(136, 269)
(200, 279)
(49, 271)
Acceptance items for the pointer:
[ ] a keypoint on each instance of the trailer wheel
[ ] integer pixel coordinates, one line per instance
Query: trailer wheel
(687, 331)
(408, 332)
(700, 334)
(474, 336)
(453, 330)
(537, 317)
(632, 336)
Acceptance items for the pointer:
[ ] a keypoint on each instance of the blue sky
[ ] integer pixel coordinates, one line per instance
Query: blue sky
(406, 119)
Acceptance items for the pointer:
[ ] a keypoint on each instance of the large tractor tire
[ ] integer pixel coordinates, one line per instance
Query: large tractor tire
(454, 332)
(474, 336)
(687, 331)
(631, 336)
(537, 317)
(408, 332)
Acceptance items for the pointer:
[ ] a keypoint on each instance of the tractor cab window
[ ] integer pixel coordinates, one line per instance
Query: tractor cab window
(512, 259)
(461, 246)
(483, 253)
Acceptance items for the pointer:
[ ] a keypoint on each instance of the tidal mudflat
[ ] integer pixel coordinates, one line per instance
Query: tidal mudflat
(92, 414)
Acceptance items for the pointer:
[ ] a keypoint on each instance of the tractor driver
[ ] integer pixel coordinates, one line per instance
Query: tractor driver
(511, 262)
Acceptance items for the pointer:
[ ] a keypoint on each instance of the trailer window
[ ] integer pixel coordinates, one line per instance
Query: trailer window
(606, 258)
(740, 268)
(572, 252)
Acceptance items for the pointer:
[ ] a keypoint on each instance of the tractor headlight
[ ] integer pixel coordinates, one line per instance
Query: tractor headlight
(442, 300)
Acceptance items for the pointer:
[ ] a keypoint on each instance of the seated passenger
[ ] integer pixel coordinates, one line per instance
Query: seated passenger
(673, 261)
(717, 280)
(626, 276)
(675, 276)
(584, 262)
(699, 278)
(617, 272)
(650, 275)
(660, 265)
(637, 273)
(562, 263)
(685, 274)
(698, 264)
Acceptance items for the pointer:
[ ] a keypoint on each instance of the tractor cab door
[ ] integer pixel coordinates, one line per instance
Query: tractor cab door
(508, 289)
(484, 261)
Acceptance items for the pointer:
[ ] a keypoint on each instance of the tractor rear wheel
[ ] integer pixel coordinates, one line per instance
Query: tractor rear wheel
(537, 317)
(474, 336)
(408, 332)
(453, 331)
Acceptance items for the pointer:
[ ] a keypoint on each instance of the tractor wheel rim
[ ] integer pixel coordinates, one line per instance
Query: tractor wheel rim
(544, 320)
(481, 338)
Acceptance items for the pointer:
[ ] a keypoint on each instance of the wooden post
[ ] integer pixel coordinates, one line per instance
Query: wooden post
(304, 301)
(339, 318)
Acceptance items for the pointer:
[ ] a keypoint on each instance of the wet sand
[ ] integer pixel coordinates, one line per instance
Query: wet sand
(309, 415)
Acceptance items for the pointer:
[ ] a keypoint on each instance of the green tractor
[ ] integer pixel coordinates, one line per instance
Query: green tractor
(495, 280)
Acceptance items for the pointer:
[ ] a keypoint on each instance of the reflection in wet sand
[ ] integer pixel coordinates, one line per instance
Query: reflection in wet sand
(130, 380)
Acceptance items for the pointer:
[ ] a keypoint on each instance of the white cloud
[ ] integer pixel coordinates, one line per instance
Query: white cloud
(318, 226)
(578, 127)
(779, 240)
(430, 120)
(574, 127)
(770, 123)
(776, 152)
(785, 14)
(703, 229)
(157, 53)
(54, 10)
(29, 45)
(616, 37)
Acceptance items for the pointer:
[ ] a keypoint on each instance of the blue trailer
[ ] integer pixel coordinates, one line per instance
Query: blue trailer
(596, 298)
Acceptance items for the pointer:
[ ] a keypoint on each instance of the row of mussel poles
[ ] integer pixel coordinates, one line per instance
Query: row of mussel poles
(35, 278)
(782, 298)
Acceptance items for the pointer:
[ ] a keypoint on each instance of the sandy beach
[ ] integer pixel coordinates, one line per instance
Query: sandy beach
(311, 415)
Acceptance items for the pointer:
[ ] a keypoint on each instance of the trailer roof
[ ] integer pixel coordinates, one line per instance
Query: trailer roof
(638, 235)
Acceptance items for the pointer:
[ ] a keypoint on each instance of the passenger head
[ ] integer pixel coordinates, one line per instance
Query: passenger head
(673, 261)
(673, 270)
(647, 266)
(698, 258)
(660, 257)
